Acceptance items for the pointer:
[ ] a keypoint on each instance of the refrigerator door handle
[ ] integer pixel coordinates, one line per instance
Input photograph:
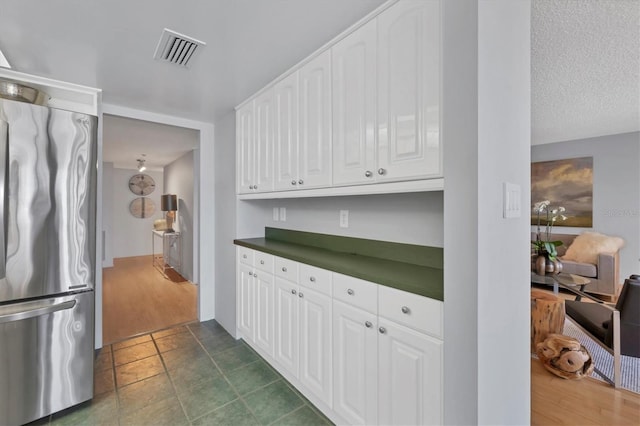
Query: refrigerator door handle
(4, 193)
(36, 312)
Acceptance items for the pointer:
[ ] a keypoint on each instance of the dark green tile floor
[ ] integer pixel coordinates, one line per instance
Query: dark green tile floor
(189, 375)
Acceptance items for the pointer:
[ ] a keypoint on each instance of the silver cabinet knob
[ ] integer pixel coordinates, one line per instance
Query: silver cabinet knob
(382, 171)
(293, 291)
(250, 274)
(284, 269)
(255, 275)
(368, 324)
(350, 292)
(262, 262)
(382, 330)
(250, 186)
(244, 256)
(255, 186)
(368, 173)
(293, 182)
(405, 310)
(300, 295)
(300, 181)
(312, 279)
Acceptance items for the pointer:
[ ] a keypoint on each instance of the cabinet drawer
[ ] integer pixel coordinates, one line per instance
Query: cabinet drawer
(287, 269)
(315, 278)
(356, 292)
(245, 255)
(263, 261)
(415, 311)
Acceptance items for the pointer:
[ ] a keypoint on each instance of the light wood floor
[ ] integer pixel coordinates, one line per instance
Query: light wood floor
(556, 401)
(136, 298)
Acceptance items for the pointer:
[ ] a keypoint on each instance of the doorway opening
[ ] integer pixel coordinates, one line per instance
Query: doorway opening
(141, 294)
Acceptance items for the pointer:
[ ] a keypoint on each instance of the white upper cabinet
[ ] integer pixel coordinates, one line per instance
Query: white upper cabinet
(285, 94)
(409, 91)
(354, 106)
(364, 110)
(254, 139)
(244, 148)
(263, 142)
(314, 143)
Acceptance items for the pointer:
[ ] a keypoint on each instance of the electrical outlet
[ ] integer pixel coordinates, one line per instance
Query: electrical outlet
(283, 214)
(344, 218)
(275, 214)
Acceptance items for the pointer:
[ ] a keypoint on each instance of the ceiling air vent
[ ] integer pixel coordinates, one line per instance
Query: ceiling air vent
(177, 48)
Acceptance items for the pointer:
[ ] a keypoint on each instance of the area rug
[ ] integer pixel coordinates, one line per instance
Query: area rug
(630, 366)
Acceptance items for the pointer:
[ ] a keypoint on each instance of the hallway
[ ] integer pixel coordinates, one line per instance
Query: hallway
(138, 299)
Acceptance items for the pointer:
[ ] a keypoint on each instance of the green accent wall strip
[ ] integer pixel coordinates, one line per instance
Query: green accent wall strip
(358, 260)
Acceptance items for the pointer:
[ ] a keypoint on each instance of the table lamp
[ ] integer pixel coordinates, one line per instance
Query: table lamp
(169, 204)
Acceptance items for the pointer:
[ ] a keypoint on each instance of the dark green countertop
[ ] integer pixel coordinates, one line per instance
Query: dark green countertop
(411, 277)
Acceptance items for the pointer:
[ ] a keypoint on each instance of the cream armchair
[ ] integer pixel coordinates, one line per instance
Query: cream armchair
(603, 268)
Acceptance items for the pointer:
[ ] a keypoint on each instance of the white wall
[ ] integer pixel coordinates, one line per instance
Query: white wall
(131, 236)
(616, 188)
(486, 138)
(107, 219)
(225, 222)
(178, 179)
(413, 218)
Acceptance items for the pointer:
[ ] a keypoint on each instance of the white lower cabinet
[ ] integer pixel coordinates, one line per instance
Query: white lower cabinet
(331, 336)
(355, 364)
(409, 376)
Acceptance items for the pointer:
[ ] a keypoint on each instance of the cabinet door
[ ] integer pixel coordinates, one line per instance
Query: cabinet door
(410, 376)
(286, 325)
(315, 344)
(244, 148)
(285, 95)
(408, 91)
(314, 143)
(355, 364)
(354, 87)
(264, 330)
(263, 167)
(245, 295)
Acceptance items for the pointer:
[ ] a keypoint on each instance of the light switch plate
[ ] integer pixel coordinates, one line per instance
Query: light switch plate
(344, 218)
(275, 214)
(283, 214)
(511, 205)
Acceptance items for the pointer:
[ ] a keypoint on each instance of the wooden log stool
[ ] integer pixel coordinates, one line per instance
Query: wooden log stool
(547, 316)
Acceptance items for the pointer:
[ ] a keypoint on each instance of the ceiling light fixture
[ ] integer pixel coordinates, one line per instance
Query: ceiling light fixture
(141, 166)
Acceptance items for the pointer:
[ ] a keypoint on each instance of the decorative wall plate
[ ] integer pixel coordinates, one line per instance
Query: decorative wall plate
(142, 207)
(142, 184)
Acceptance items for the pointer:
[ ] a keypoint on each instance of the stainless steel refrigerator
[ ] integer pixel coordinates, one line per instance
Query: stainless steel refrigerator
(47, 259)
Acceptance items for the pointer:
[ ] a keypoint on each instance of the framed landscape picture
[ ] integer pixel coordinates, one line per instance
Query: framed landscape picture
(567, 183)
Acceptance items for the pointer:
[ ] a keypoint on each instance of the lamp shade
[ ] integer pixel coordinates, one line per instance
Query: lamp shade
(169, 203)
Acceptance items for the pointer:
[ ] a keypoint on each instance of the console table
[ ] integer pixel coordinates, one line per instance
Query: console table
(171, 256)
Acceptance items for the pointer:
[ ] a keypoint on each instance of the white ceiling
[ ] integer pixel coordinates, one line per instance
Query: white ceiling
(585, 56)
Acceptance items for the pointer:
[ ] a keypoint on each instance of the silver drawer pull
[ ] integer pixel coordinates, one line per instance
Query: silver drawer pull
(293, 182)
(368, 324)
(250, 274)
(405, 310)
(300, 295)
(368, 173)
(350, 292)
(262, 262)
(255, 186)
(312, 279)
(250, 186)
(293, 292)
(381, 171)
(284, 269)
(255, 275)
(300, 181)
(382, 330)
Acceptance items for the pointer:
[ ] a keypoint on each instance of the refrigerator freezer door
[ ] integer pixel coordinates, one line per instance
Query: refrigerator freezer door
(46, 356)
(48, 209)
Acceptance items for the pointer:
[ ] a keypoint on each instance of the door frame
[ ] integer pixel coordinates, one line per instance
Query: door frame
(203, 230)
